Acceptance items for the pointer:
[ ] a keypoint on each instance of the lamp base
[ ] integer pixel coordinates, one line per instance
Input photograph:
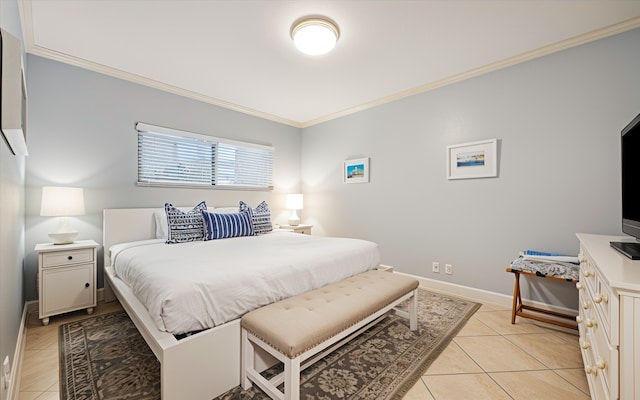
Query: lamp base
(294, 220)
(65, 233)
(63, 237)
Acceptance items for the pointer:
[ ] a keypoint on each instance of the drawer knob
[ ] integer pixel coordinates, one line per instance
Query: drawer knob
(602, 364)
(582, 258)
(87, 284)
(586, 305)
(578, 319)
(590, 370)
(579, 286)
(70, 258)
(600, 298)
(584, 344)
(591, 323)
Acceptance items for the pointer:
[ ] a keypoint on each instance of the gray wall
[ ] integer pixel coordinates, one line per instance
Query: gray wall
(558, 120)
(82, 134)
(12, 176)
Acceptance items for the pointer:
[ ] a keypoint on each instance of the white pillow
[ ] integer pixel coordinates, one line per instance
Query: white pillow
(225, 210)
(162, 226)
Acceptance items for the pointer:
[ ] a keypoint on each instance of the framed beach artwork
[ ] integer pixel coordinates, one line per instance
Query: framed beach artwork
(356, 171)
(473, 160)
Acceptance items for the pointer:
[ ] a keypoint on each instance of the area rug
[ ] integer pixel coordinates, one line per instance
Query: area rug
(104, 357)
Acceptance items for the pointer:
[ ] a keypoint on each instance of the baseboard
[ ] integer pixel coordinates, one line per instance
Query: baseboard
(30, 307)
(13, 391)
(483, 296)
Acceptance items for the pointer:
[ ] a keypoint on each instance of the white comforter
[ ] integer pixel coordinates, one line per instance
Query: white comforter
(192, 286)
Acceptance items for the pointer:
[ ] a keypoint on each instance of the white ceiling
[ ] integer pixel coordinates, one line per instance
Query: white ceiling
(238, 53)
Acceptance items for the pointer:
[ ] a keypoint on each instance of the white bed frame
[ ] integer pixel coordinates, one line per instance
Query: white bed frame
(199, 367)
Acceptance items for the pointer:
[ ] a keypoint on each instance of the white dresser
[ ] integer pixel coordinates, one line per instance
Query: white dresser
(609, 318)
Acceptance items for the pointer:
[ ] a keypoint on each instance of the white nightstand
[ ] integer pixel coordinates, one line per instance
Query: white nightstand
(66, 277)
(302, 228)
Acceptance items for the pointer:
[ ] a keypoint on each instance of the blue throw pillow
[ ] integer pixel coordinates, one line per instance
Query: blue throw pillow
(221, 226)
(260, 217)
(184, 226)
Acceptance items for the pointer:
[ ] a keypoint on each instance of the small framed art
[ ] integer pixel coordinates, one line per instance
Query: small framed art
(473, 160)
(356, 171)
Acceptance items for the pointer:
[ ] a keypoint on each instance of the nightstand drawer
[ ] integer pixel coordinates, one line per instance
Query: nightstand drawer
(68, 257)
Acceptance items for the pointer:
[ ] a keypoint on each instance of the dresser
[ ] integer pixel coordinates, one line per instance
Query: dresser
(66, 277)
(609, 318)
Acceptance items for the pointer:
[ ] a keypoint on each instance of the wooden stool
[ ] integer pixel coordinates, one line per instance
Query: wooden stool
(518, 308)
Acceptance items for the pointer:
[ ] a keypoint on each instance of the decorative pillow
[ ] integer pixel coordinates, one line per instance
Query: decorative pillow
(222, 226)
(260, 217)
(185, 226)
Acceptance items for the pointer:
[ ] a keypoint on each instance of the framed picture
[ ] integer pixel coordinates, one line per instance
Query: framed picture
(356, 171)
(473, 160)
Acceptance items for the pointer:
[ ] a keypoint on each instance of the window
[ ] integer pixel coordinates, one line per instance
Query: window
(169, 157)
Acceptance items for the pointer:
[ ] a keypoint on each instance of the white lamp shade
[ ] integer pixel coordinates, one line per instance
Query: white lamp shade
(294, 201)
(62, 201)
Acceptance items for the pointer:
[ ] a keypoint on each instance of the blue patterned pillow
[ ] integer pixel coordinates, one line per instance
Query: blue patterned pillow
(260, 217)
(221, 226)
(185, 226)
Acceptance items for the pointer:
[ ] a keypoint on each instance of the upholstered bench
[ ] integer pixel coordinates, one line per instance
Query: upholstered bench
(302, 329)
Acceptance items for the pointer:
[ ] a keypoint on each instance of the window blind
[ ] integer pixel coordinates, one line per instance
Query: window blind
(170, 157)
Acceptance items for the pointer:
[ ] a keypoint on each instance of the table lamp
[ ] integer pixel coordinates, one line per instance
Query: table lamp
(62, 202)
(294, 202)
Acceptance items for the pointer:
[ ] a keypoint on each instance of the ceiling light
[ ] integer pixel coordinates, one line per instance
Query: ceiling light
(314, 35)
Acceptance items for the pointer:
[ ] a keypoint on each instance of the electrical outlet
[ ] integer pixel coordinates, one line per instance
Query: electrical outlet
(435, 267)
(448, 269)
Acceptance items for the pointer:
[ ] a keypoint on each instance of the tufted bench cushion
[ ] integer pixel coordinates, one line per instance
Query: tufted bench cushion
(302, 326)
(300, 323)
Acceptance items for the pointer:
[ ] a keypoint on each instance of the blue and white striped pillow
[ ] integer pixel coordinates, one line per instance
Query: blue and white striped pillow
(221, 226)
(260, 217)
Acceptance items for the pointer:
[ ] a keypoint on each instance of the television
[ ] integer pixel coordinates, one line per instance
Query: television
(630, 171)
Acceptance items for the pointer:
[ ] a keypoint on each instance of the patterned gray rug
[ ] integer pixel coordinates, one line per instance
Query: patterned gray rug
(104, 357)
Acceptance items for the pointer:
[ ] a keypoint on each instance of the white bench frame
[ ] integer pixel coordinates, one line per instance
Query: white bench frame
(294, 366)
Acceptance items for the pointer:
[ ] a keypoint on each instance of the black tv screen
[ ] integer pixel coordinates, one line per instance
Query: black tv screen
(630, 171)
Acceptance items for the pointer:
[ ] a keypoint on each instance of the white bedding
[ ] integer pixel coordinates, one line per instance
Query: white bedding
(198, 285)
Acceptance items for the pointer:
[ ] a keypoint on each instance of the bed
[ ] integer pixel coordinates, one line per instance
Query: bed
(198, 345)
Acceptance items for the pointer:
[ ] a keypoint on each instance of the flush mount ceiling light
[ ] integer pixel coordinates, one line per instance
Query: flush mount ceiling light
(314, 35)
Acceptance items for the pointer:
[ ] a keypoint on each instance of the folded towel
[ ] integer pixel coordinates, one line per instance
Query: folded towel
(540, 256)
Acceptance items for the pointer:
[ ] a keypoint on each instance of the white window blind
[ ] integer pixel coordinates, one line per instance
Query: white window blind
(169, 157)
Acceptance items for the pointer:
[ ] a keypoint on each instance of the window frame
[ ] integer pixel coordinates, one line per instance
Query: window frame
(263, 161)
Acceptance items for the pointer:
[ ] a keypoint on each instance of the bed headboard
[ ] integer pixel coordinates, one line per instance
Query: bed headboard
(126, 225)
(121, 225)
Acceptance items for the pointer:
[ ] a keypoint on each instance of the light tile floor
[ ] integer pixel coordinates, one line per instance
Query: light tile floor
(489, 359)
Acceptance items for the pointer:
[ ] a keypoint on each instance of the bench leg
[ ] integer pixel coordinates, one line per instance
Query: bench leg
(248, 360)
(413, 311)
(292, 379)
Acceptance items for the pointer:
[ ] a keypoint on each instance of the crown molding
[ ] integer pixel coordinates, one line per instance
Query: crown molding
(32, 48)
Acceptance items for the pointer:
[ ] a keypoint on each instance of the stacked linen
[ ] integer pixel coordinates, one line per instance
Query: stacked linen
(547, 264)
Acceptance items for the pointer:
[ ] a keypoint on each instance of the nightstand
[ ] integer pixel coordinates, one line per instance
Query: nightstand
(302, 228)
(66, 277)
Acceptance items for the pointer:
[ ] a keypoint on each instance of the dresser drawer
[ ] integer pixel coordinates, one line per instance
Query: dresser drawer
(598, 295)
(67, 257)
